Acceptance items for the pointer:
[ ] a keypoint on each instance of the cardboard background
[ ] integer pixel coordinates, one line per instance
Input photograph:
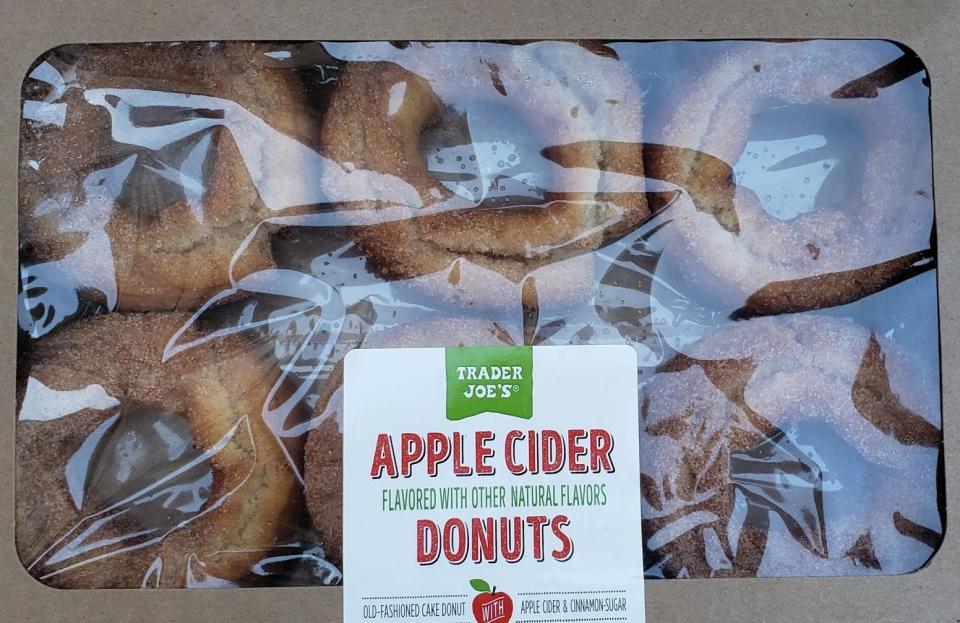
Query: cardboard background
(930, 27)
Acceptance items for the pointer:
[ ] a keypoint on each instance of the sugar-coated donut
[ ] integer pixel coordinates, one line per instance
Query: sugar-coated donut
(133, 471)
(716, 416)
(576, 114)
(323, 457)
(167, 219)
(785, 253)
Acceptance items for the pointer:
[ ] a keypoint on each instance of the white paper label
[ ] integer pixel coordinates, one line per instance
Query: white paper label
(492, 485)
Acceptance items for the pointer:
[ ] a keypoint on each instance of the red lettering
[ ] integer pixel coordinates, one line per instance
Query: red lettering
(601, 445)
(566, 545)
(511, 538)
(383, 458)
(428, 542)
(411, 452)
(537, 522)
(459, 469)
(438, 451)
(552, 451)
(575, 450)
(509, 445)
(532, 445)
(455, 552)
(483, 452)
(484, 539)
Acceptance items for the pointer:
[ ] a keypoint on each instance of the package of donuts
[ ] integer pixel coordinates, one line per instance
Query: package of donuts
(207, 229)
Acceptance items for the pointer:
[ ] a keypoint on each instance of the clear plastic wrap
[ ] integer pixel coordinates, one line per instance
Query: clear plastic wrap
(206, 229)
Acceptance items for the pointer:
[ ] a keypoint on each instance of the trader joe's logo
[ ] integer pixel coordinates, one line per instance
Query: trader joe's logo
(495, 379)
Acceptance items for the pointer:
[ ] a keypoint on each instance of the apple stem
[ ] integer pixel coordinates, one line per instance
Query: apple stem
(493, 590)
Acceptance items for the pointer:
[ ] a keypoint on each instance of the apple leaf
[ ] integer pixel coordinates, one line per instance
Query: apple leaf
(480, 585)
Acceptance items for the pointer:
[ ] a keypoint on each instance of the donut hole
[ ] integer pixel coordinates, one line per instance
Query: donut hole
(144, 461)
(802, 158)
(488, 156)
(810, 476)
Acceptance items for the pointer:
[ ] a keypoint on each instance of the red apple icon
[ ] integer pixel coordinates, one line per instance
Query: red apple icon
(490, 606)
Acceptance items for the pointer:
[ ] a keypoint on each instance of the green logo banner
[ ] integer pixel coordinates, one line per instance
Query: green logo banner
(489, 379)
